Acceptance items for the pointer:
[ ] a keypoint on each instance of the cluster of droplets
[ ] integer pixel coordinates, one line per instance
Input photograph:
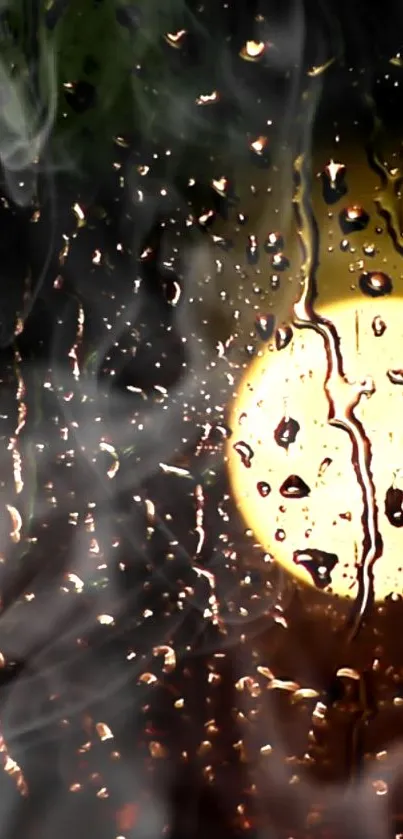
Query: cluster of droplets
(114, 399)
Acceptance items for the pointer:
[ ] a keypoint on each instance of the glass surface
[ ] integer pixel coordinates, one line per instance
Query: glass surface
(201, 364)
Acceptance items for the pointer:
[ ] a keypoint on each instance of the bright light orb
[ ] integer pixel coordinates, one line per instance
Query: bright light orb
(291, 472)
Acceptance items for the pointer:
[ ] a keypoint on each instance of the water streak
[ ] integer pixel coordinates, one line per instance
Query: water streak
(343, 396)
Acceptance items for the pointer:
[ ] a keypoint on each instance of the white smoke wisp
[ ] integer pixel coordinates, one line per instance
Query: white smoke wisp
(153, 435)
(26, 124)
(94, 419)
(66, 606)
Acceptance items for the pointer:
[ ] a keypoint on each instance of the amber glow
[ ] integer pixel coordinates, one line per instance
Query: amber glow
(325, 512)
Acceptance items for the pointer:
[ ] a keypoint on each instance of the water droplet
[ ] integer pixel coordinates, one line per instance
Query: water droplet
(253, 50)
(320, 565)
(252, 250)
(176, 39)
(274, 242)
(283, 336)
(206, 218)
(369, 249)
(380, 787)
(346, 516)
(208, 98)
(250, 349)
(334, 171)
(394, 506)
(324, 466)
(279, 535)
(333, 183)
(353, 218)
(395, 376)
(375, 283)
(286, 432)
(220, 185)
(245, 452)
(344, 245)
(259, 147)
(241, 218)
(217, 434)
(172, 291)
(378, 326)
(265, 326)
(294, 487)
(274, 282)
(280, 262)
(223, 242)
(263, 488)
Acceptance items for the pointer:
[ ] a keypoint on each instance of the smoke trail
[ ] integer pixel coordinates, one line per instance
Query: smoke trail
(29, 103)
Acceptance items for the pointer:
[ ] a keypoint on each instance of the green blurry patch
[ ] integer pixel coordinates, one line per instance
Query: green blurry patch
(118, 52)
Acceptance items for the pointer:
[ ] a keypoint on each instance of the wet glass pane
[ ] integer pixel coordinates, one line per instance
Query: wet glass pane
(201, 369)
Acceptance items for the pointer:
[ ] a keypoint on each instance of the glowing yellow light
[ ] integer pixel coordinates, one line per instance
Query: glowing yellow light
(320, 505)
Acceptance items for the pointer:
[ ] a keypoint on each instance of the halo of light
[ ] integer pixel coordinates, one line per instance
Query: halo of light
(290, 382)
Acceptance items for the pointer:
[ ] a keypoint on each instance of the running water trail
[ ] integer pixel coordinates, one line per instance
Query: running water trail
(343, 396)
